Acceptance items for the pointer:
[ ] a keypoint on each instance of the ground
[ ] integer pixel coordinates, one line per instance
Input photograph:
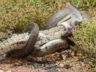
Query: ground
(65, 61)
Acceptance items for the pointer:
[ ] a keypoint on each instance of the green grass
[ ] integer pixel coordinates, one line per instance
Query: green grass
(84, 4)
(15, 14)
(85, 36)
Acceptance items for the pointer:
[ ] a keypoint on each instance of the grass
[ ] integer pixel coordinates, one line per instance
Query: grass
(85, 36)
(15, 14)
(84, 4)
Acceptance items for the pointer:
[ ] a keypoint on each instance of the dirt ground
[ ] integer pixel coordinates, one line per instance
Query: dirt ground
(64, 61)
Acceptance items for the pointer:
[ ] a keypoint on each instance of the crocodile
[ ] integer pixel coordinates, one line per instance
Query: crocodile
(18, 42)
(42, 42)
(45, 39)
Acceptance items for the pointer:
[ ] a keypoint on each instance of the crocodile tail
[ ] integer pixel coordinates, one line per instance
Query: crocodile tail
(29, 47)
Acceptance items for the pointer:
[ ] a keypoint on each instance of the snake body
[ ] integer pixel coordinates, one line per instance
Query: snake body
(14, 46)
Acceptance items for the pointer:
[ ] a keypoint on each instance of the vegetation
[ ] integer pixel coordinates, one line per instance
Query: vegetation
(15, 14)
(85, 37)
(84, 4)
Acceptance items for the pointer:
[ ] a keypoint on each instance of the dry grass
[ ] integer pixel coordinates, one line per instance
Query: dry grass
(85, 36)
(14, 15)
